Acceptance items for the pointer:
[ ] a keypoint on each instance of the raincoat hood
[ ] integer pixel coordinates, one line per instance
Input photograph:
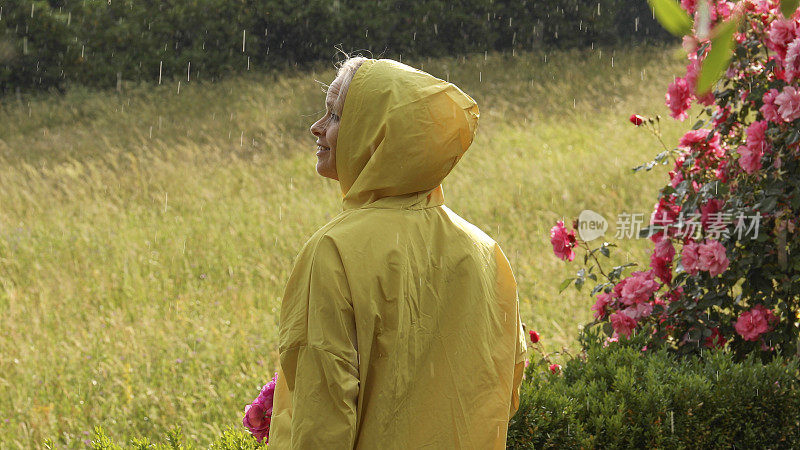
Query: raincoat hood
(402, 131)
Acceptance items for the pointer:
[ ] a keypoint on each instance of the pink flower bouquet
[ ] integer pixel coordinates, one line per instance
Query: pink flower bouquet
(258, 415)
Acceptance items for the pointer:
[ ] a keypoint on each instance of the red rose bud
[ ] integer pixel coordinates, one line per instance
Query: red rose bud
(555, 368)
(636, 119)
(534, 336)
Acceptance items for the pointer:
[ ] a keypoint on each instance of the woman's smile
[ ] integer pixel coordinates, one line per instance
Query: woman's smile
(321, 150)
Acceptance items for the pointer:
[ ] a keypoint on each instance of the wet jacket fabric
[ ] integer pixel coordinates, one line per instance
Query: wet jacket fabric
(399, 326)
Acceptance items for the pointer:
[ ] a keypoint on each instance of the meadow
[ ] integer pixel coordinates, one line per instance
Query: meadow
(146, 235)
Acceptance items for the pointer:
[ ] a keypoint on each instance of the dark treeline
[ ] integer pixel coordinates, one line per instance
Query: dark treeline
(51, 43)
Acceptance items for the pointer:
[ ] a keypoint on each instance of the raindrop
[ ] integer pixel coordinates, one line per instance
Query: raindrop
(480, 77)
(160, 65)
(179, 87)
(188, 69)
(244, 33)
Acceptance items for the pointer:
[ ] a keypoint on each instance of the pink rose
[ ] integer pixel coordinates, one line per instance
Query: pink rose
(662, 267)
(257, 420)
(661, 260)
(708, 209)
(679, 99)
(780, 33)
(788, 103)
(690, 257)
(749, 159)
(639, 288)
(757, 135)
(712, 257)
(562, 241)
(664, 250)
(792, 62)
(258, 415)
(675, 178)
(696, 140)
(599, 307)
(617, 292)
(752, 324)
(692, 72)
(622, 323)
(768, 109)
(722, 171)
(638, 311)
(665, 213)
(724, 9)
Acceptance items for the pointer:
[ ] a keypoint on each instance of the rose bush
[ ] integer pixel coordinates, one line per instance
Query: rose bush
(725, 266)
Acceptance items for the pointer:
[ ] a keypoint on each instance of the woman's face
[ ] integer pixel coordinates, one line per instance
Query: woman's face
(326, 129)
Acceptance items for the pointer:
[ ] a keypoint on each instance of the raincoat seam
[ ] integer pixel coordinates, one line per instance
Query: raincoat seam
(321, 349)
(442, 89)
(347, 281)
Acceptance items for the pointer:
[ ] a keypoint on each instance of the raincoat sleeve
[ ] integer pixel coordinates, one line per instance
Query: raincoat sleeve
(519, 366)
(507, 286)
(318, 354)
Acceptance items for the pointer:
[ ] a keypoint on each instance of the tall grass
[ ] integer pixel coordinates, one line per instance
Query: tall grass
(145, 237)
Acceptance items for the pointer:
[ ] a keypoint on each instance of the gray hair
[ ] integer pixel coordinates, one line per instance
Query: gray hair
(347, 69)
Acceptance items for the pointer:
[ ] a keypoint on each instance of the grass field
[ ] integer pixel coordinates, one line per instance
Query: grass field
(145, 237)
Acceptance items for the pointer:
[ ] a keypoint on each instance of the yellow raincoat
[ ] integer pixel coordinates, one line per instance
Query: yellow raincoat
(400, 325)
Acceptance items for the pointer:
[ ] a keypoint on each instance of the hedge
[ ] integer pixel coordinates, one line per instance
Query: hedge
(623, 397)
(50, 44)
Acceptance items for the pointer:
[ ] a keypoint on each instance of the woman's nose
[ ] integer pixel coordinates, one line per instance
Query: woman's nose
(316, 129)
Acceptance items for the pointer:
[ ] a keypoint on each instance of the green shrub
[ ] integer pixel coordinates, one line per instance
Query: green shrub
(623, 397)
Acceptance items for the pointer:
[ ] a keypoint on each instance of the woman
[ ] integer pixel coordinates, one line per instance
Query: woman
(400, 324)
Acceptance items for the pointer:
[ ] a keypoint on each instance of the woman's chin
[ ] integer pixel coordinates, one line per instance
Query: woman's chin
(325, 170)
